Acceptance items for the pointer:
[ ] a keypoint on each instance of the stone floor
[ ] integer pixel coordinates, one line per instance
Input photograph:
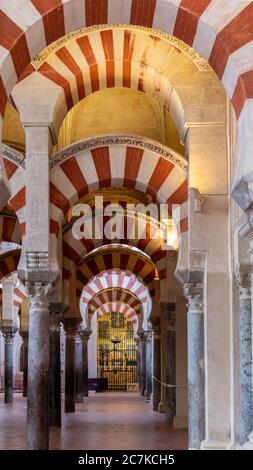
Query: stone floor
(104, 421)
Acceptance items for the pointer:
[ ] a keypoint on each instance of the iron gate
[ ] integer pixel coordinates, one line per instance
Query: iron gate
(116, 351)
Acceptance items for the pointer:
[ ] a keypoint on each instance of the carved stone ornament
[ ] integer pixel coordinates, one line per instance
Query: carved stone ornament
(86, 334)
(243, 281)
(141, 334)
(108, 140)
(38, 261)
(9, 336)
(14, 156)
(201, 64)
(38, 293)
(195, 296)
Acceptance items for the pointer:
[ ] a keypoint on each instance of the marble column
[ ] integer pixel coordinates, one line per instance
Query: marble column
(70, 330)
(8, 335)
(85, 339)
(38, 368)
(54, 369)
(196, 371)
(149, 362)
(246, 397)
(156, 369)
(78, 368)
(142, 364)
(138, 361)
(24, 335)
(171, 369)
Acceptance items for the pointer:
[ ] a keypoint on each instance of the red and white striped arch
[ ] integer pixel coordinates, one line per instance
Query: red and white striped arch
(121, 165)
(10, 229)
(19, 296)
(125, 309)
(14, 176)
(119, 307)
(9, 263)
(114, 295)
(220, 30)
(115, 279)
(74, 250)
(125, 260)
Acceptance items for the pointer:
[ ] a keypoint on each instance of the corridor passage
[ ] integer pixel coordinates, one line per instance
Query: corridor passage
(110, 421)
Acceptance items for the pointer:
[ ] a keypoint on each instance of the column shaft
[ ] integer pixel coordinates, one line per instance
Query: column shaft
(156, 371)
(55, 377)
(138, 365)
(8, 368)
(143, 366)
(246, 402)
(25, 365)
(149, 363)
(70, 374)
(38, 367)
(171, 375)
(78, 369)
(196, 373)
(85, 367)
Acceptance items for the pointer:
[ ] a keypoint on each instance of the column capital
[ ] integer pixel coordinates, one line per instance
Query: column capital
(195, 296)
(243, 281)
(149, 332)
(38, 292)
(86, 334)
(71, 326)
(141, 334)
(10, 281)
(8, 334)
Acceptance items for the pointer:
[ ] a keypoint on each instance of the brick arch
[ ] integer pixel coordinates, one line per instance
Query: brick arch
(222, 33)
(9, 263)
(111, 258)
(14, 174)
(193, 22)
(116, 279)
(130, 313)
(10, 229)
(108, 57)
(117, 294)
(74, 250)
(120, 307)
(115, 285)
(19, 296)
(126, 162)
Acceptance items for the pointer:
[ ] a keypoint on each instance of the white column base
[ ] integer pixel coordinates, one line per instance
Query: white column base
(180, 422)
(216, 445)
(249, 444)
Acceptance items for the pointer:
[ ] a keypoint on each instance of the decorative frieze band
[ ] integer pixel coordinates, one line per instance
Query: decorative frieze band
(135, 141)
